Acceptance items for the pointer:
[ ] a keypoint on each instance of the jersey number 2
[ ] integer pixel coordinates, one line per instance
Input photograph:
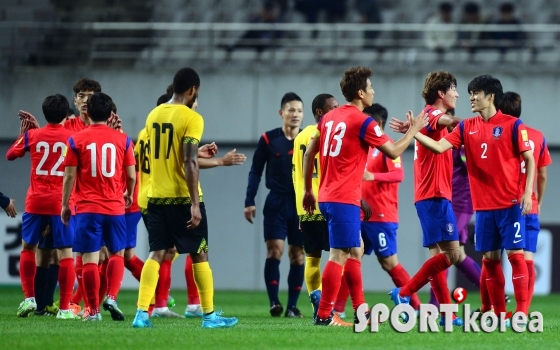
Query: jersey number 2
(45, 146)
(339, 132)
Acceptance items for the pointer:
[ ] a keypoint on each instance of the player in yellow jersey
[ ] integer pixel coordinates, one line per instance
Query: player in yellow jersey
(176, 216)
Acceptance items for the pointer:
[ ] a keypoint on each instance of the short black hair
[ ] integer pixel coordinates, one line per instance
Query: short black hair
(319, 102)
(507, 7)
(99, 107)
(489, 85)
(55, 108)
(289, 97)
(185, 79)
(378, 113)
(162, 99)
(446, 7)
(471, 8)
(113, 107)
(86, 84)
(510, 104)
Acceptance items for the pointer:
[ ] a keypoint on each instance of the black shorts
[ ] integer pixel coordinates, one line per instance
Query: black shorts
(167, 228)
(315, 236)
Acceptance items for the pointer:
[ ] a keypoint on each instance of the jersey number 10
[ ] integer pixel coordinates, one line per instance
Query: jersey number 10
(108, 159)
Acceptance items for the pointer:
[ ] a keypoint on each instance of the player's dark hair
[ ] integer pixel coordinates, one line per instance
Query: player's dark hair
(511, 104)
(169, 90)
(319, 102)
(471, 8)
(378, 113)
(451, 111)
(489, 85)
(446, 7)
(86, 84)
(55, 108)
(70, 112)
(354, 80)
(113, 107)
(289, 97)
(99, 107)
(162, 99)
(507, 8)
(185, 79)
(435, 82)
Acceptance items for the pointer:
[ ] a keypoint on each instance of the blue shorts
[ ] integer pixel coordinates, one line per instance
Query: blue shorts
(33, 226)
(344, 224)
(497, 229)
(132, 220)
(437, 220)
(281, 219)
(380, 237)
(532, 229)
(92, 229)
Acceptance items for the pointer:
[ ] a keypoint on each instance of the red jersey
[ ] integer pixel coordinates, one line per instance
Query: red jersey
(432, 172)
(493, 149)
(47, 147)
(101, 155)
(75, 124)
(542, 159)
(345, 137)
(382, 194)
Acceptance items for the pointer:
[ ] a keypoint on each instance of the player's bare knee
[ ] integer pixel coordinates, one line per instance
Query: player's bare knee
(387, 263)
(452, 255)
(27, 246)
(199, 257)
(119, 253)
(158, 255)
(514, 251)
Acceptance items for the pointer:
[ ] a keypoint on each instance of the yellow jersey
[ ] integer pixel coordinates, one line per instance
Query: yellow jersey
(168, 127)
(142, 153)
(300, 146)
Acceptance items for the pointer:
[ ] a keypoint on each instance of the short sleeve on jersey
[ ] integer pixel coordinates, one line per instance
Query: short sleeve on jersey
(372, 134)
(71, 158)
(455, 138)
(193, 130)
(433, 118)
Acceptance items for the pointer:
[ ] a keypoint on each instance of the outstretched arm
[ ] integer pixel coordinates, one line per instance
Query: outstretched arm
(230, 158)
(394, 150)
(437, 147)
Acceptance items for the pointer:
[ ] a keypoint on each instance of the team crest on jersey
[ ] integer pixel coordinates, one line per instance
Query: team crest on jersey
(378, 131)
(449, 228)
(375, 153)
(497, 131)
(436, 112)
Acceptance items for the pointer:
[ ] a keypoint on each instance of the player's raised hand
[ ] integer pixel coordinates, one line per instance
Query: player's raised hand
(208, 150)
(114, 122)
(33, 123)
(65, 215)
(232, 158)
(368, 176)
(526, 204)
(399, 126)
(309, 202)
(417, 123)
(196, 217)
(366, 209)
(11, 209)
(24, 126)
(250, 212)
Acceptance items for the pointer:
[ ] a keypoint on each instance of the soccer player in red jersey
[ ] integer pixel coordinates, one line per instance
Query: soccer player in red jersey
(47, 146)
(494, 143)
(7, 204)
(511, 104)
(343, 138)
(95, 161)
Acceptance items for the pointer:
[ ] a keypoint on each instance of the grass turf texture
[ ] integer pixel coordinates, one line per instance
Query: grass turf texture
(256, 329)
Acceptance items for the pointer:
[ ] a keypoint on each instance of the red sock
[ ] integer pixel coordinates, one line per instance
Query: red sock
(66, 278)
(440, 288)
(495, 282)
(134, 265)
(103, 279)
(401, 277)
(519, 278)
(78, 295)
(115, 274)
(353, 277)
(27, 268)
(430, 269)
(91, 286)
(331, 285)
(342, 297)
(164, 283)
(531, 285)
(484, 295)
(192, 291)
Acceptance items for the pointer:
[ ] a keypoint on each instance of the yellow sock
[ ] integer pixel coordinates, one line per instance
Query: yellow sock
(205, 285)
(312, 273)
(148, 282)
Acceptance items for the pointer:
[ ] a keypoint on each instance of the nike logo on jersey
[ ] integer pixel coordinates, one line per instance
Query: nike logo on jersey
(380, 250)
(472, 132)
(517, 241)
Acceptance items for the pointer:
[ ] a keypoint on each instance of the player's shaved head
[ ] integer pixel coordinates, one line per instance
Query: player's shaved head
(354, 80)
(55, 108)
(378, 113)
(489, 85)
(435, 82)
(510, 104)
(86, 84)
(99, 107)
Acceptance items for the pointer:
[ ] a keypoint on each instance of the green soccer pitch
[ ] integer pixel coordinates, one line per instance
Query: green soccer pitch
(255, 330)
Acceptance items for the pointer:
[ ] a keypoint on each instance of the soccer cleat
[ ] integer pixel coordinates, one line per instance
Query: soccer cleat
(507, 299)
(215, 321)
(85, 312)
(170, 301)
(293, 312)
(142, 320)
(26, 307)
(356, 321)
(341, 314)
(332, 320)
(43, 313)
(92, 318)
(457, 321)
(489, 322)
(315, 298)
(67, 315)
(165, 313)
(52, 309)
(276, 310)
(397, 299)
(109, 304)
(75, 309)
(193, 310)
